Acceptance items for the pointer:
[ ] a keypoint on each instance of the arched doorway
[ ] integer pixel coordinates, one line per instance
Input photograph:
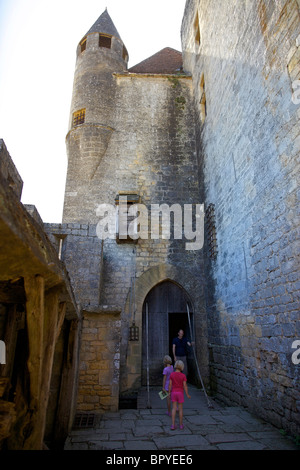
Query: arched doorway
(166, 305)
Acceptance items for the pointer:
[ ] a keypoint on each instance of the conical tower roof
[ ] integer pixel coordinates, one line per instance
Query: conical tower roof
(105, 25)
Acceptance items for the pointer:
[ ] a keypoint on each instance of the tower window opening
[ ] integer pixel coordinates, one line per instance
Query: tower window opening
(211, 232)
(125, 54)
(203, 110)
(197, 30)
(78, 117)
(83, 45)
(104, 41)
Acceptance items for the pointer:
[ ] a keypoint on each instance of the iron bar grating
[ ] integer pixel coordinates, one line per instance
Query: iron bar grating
(84, 420)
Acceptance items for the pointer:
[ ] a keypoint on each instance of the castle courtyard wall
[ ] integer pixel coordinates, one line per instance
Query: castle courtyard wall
(151, 152)
(248, 152)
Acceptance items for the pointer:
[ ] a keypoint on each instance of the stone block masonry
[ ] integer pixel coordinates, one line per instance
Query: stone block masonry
(223, 132)
(151, 152)
(81, 250)
(99, 361)
(9, 171)
(248, 152)
(99, 369)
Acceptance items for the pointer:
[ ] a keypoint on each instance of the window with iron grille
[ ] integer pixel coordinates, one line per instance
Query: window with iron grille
(104, 41)
(78, 117)
(126, 218)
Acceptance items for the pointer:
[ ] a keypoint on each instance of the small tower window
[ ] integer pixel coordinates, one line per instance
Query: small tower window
(104, 41)
(197, 30)
(78, 117)
(125, 54)
(83, 45)
(202, 99)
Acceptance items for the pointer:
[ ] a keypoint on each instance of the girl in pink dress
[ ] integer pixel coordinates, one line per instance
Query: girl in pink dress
(168, 369)
(177, 384)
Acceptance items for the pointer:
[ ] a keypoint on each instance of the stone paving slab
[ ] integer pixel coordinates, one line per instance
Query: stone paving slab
(173, 442)
(200, 419)
(218, 438)
(246, 445)
(205, 428)
(140, 445)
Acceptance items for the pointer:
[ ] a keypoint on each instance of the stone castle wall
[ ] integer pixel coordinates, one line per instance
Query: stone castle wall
(151, 152)
(226, 134)
(248, 151)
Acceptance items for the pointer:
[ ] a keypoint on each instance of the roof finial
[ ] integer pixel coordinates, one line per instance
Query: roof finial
(104, 24)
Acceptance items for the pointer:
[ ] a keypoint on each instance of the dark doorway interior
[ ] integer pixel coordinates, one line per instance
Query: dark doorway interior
(179, 321)
(167, 313)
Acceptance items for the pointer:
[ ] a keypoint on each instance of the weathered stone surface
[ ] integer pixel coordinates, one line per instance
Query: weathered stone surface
(9, 172)
(184, 440)
(223, 132)
(248, 147)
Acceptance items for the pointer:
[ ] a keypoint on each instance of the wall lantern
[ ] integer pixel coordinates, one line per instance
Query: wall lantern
(133, 332)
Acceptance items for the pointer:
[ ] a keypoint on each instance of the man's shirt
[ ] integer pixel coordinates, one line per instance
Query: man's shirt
(180, 346)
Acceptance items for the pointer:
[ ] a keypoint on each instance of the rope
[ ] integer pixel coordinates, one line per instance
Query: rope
(197, 365)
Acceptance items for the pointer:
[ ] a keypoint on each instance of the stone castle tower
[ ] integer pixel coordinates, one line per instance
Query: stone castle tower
(99, 54)
(131, 134)
(214, 125)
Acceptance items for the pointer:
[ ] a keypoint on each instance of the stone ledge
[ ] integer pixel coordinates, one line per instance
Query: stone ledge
(114, 310)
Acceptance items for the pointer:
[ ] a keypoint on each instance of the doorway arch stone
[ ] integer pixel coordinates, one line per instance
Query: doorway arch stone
(131, 351)
(164, 314)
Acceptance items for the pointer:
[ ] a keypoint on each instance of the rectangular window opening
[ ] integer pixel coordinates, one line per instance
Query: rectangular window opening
(131, 199)
(197, 30)
(83, 45)
(78, 117)
(211, 233)
(203, 110)
(104, 41)
(125, 54)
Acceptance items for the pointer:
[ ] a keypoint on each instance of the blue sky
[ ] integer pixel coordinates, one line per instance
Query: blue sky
(38, 40)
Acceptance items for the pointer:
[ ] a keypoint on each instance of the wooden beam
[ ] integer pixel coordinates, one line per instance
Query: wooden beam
(51, 320)
(45, 316)
(34, 287)
(68, 385)
(61, 317)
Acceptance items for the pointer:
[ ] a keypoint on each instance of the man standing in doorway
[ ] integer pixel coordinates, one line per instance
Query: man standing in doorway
(180, 349)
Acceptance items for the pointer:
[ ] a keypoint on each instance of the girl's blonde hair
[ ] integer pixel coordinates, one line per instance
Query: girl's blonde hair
(179, 365)
(167, 360)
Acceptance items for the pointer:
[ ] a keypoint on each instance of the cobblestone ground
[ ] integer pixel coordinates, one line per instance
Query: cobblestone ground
(205, 428)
